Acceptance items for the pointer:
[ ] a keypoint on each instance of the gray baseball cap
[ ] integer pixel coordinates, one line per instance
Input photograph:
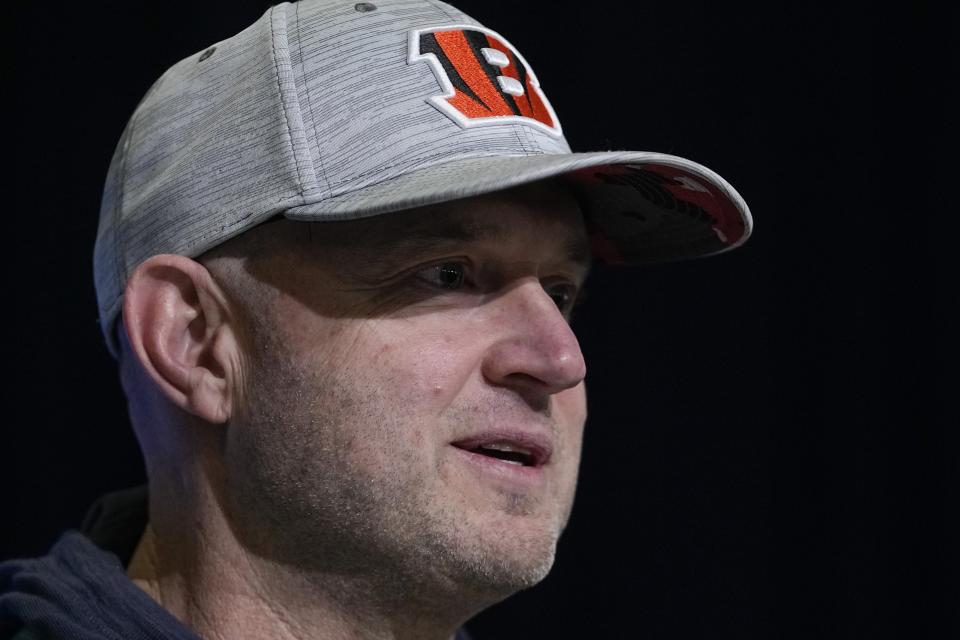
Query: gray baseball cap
(335, 110)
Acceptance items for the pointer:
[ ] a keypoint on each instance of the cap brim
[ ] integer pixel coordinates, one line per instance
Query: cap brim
(640, 207)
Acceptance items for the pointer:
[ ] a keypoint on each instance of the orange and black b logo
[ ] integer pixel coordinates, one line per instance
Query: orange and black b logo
(485, 80)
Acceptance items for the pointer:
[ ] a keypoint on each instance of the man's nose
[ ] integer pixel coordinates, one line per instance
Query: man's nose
(536, 350)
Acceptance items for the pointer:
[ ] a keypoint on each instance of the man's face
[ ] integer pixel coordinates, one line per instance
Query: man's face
(412, 398)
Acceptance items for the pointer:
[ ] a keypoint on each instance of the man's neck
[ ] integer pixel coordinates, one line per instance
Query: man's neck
(221, 592)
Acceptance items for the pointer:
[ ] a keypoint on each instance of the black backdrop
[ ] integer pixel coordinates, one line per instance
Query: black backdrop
(770, 452)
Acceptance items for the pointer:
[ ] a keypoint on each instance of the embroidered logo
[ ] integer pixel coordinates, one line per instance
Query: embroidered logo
(484, 79)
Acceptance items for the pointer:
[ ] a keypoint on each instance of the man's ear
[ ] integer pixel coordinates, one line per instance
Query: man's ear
(178, 323)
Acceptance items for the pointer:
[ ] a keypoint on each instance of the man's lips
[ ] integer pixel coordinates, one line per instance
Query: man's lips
(511, 447)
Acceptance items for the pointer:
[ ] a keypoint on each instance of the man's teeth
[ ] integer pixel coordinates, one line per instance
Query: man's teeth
(508, 453)
(497, 446)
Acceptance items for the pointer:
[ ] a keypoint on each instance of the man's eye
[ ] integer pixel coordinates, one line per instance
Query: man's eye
(453, 276)
(564, 297)
(448, 275)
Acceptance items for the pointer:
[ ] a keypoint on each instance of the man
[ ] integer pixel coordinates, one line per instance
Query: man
(336, 262)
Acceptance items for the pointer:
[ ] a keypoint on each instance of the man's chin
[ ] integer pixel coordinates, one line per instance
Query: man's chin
(509, 565)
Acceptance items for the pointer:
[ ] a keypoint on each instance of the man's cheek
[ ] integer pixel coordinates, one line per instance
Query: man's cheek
(429, 371)
(570, 411)
(572, 404)
(345, 346)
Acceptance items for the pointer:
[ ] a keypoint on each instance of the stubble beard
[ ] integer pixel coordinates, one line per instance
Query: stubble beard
(300, 501)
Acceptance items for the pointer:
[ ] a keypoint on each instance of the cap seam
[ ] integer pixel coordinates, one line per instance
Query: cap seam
(527, 143)
(313, 120)
(516, 132)
(283, 105)
(279, 205)
(442, 10)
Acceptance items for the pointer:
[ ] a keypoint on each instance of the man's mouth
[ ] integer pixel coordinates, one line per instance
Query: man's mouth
(518, 450)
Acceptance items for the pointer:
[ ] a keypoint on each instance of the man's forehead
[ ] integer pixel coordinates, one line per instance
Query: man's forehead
(570, 242)
(553, 217)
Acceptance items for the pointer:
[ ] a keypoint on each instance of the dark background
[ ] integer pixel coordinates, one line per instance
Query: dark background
(770, 452)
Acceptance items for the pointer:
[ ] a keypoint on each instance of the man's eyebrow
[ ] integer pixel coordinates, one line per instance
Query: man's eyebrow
(423, 235)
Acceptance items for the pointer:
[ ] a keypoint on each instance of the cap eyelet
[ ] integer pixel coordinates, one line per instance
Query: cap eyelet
(206, 54)
(364, 7)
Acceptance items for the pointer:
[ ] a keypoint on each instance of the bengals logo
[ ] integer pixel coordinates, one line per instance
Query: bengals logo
(484, 79)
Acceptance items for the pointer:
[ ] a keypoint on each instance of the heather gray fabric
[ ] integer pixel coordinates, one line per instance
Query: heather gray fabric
(322, 110)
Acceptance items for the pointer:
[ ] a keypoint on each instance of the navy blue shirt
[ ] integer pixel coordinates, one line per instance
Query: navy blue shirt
(80, 589)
